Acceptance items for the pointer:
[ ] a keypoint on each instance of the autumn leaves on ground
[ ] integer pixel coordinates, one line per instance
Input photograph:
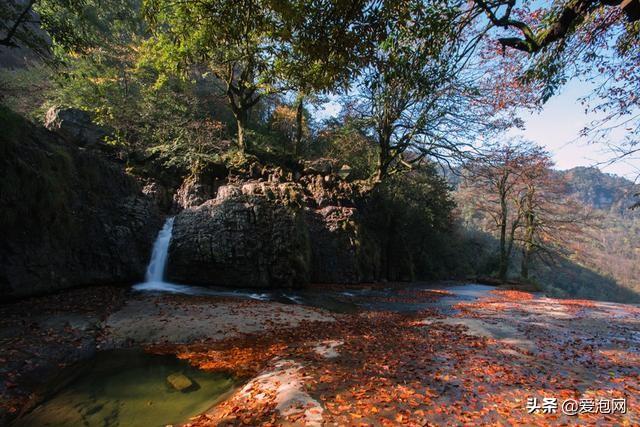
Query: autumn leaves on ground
(453, 361)
(479, 365)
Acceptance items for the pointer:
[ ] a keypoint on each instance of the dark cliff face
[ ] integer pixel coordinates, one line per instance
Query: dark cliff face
(68, 216)
(243, 241)
(269, 234)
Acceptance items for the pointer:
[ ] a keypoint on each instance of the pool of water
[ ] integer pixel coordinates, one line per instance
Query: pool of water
(127, 388)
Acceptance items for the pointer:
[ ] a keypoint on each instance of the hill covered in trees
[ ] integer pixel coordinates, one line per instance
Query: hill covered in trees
(592, 252)
(612, 248)
(599, 190)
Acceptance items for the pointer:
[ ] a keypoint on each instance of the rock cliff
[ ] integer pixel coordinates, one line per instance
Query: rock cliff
(240, 240)
(270, 232)
(68, 215)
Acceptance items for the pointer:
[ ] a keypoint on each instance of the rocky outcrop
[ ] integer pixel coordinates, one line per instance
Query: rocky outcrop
(194, 191)
(269, 234)
(74, 126)
(68, 216)
(160, 195)
(200, 186)
(240, 240)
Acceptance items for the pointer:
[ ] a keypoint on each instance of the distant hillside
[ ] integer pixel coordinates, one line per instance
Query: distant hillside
(613, 248)
(604, 262)
(600, 190)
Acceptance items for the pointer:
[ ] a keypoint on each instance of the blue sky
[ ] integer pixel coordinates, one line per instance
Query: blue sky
(557, 128)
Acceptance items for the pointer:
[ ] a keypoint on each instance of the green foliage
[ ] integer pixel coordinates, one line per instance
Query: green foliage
(324, 43)
(410, 215)
(346, 141)
(220, 32)
(25, 90)
(66, 26)
(150, 112)
(235, 40)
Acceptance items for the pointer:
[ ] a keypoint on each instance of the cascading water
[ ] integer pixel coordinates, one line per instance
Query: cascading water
(154, 277)
(157, 265)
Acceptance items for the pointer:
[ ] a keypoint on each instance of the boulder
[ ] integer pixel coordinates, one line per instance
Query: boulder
(199, 187)
(159, 194)
(194, 191)
(267, 234)
(179, 381)
(322, 166)
(74, 126)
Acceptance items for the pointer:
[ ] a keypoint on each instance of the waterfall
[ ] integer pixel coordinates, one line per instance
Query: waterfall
(154, 277)
(156, 267)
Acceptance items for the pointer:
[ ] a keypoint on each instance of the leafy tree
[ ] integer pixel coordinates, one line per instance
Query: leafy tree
(43, 26)
(492, 183)
(410, 214)
(256, 48)
(237, 40)
(156, 119)
(551, 220)
(595, 40)
(345, 140)
(414, 96)
(324, 46)
(515, 187)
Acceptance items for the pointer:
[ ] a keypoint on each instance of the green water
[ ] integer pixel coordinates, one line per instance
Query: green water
(126, 389)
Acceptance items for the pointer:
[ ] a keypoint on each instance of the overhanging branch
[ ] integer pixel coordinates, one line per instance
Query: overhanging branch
(572, 14)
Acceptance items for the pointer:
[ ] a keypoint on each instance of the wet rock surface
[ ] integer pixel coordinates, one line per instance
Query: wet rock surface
(180, 381)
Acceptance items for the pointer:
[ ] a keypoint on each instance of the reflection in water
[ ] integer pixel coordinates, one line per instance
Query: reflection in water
(129, 388)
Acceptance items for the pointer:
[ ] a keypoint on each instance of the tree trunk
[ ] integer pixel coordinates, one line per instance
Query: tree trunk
(384, 158)
(504, 259)
(530, 230)
(241, 102)
(389, 247)
(297, 143)
(524, 266)
(241, 121)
